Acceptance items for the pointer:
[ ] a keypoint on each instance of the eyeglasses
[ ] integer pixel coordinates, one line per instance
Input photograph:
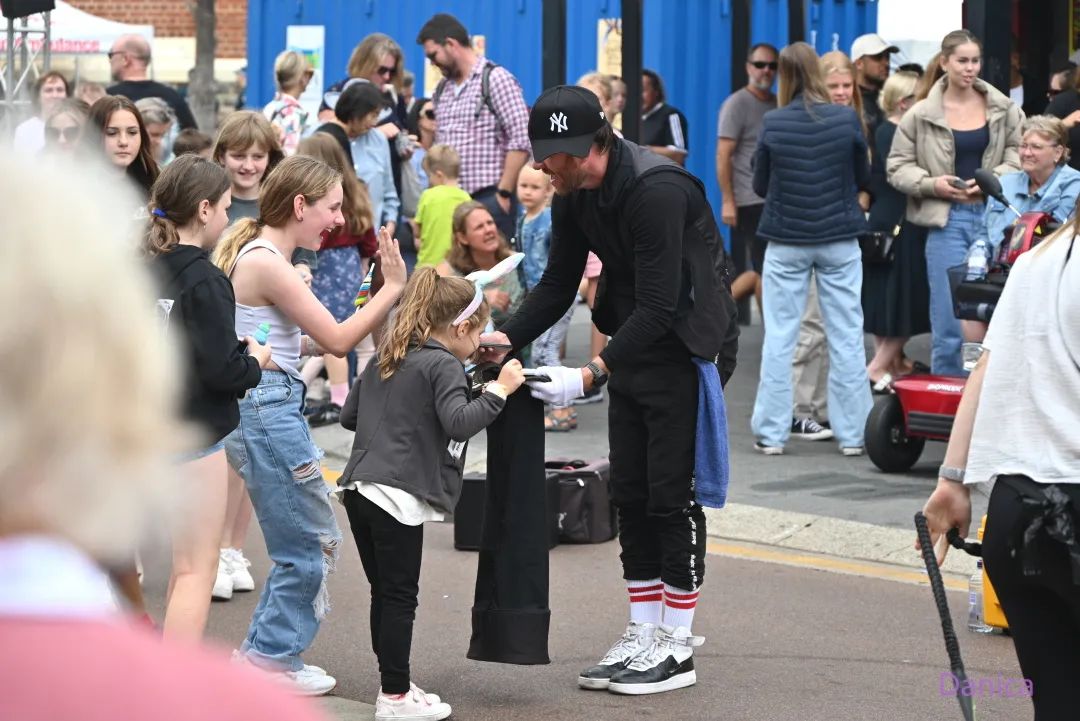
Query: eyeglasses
(1037, 147)
(383, 70)
(761, 64)
(69, 134)
(429, 114)
(113, 53)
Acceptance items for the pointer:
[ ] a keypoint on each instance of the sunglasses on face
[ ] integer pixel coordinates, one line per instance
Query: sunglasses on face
(429, 114)
(69, 134)
(383, 70)
(761, 64)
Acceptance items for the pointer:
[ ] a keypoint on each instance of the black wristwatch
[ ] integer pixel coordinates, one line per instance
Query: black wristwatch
(599, 375)
(504, 193)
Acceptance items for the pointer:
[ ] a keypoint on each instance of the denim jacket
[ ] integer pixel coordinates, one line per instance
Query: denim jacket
(534, 236)
(1057, 196)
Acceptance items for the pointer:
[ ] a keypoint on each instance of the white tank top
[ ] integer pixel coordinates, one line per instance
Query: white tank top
(284, 336)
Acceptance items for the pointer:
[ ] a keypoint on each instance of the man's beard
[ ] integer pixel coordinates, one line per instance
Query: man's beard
(761, 84)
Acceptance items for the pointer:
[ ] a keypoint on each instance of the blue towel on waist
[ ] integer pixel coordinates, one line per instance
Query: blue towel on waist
(711, 441)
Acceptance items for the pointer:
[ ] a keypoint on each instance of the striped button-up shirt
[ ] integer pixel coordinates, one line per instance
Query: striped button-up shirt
(481, 139)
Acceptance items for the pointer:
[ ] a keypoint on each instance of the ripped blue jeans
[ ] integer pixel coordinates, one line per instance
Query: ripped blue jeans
(273, 451)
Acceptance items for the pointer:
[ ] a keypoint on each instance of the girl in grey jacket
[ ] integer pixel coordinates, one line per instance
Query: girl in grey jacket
(407, 459)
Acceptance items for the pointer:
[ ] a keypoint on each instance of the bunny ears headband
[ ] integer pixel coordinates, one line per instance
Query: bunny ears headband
(483, 278)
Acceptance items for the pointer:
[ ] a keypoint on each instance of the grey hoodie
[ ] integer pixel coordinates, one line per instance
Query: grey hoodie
(405, 424)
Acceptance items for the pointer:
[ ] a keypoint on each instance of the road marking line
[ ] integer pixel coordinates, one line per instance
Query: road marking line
(825, 563)
(790, 558)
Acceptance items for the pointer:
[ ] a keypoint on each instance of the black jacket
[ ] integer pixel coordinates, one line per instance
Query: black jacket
(665, 279)
(203, 315)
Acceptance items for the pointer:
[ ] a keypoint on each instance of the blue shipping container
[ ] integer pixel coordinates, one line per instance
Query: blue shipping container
(686, 41)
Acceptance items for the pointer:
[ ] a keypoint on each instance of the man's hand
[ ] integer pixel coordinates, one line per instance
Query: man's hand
(1071, 119)
(493, 355)
(504, 203)
(564, 386)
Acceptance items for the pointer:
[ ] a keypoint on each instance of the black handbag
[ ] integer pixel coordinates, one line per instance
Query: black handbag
(877, 246)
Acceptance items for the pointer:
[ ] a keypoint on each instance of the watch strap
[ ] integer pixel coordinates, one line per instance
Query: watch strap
(950, 473)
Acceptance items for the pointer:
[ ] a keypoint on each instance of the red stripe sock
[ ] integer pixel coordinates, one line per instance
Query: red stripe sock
(646, 600)
(679, 606)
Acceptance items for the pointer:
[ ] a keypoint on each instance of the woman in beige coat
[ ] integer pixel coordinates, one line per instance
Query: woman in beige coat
(963, 124)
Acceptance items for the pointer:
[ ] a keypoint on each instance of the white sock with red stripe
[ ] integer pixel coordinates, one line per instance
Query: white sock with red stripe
(646, 600)
(679, 606)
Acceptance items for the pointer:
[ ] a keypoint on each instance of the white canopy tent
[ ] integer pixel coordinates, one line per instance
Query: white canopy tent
(74, 32)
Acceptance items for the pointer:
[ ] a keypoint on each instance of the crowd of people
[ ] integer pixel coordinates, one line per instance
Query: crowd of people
(350, 244)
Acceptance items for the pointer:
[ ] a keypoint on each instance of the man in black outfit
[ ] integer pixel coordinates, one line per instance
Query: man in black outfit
(663, 127)
(664, 298)
(128, 59)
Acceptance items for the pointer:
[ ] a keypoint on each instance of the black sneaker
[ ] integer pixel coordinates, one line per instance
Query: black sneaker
(666, 665)
(637, 638)
(593, 395)
(327, 414)
(809, 430)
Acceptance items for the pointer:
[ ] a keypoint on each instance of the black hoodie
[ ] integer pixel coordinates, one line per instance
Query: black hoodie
(203, 315)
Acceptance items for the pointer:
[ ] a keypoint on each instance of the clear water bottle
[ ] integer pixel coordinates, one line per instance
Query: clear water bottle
(975, 602)
(978, 260)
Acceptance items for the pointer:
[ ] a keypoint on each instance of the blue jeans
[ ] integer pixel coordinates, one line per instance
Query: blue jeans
(785, 284)
(273, 451)
(946, 247)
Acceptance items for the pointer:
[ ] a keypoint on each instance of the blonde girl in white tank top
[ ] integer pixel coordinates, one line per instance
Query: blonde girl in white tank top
(272, 449)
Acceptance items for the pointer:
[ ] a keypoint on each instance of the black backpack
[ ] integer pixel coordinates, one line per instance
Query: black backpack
(485, 95)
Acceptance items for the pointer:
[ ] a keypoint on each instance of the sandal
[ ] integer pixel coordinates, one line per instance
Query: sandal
(557, 424)
(883, 385)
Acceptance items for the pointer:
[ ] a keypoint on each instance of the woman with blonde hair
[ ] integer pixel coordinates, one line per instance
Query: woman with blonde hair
(839, 74)
(272, 449)
(343, 258)
(292, 73)
(478, 245)
(811, 162)
(963, 124)
(82, 488)
(895, 295)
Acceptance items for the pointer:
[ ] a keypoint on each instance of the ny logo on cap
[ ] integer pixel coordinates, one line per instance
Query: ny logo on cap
(558, 122)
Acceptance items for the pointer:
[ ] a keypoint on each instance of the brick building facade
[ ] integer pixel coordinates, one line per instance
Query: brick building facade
(173, 18)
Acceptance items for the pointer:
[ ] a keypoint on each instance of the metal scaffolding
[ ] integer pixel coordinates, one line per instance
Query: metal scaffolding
(27, 42)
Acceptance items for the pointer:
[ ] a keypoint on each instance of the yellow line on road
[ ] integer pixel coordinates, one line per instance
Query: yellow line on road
(826, 563)
(790, 558)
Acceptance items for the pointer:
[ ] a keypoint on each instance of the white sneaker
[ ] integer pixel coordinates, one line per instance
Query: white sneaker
(416, 705)
(241, 577)
(666, 665)
(851, 451)
(310, 681)
(223, 584)
(637, 638)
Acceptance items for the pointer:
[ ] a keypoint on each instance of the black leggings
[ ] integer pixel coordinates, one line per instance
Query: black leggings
(390, 552)
(1043, 610)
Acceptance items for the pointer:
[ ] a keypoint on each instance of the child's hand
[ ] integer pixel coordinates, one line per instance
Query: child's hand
(391, 264)
(511, 376)
(260, 353)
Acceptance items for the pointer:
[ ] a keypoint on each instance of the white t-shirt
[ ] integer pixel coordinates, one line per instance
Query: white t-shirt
(1028, 420)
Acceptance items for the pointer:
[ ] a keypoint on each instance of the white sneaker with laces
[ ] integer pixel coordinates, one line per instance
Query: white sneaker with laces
(851, 451)
(241, 577)
(416, 705)
(666, 665)
(223, 584)
(636, 638)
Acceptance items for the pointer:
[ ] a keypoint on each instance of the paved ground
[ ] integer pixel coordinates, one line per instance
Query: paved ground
(785, 639)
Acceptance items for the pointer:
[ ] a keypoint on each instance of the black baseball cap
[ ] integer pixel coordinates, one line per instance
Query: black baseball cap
(564, 119)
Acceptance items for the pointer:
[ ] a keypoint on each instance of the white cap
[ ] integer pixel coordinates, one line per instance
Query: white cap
(870, 44)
